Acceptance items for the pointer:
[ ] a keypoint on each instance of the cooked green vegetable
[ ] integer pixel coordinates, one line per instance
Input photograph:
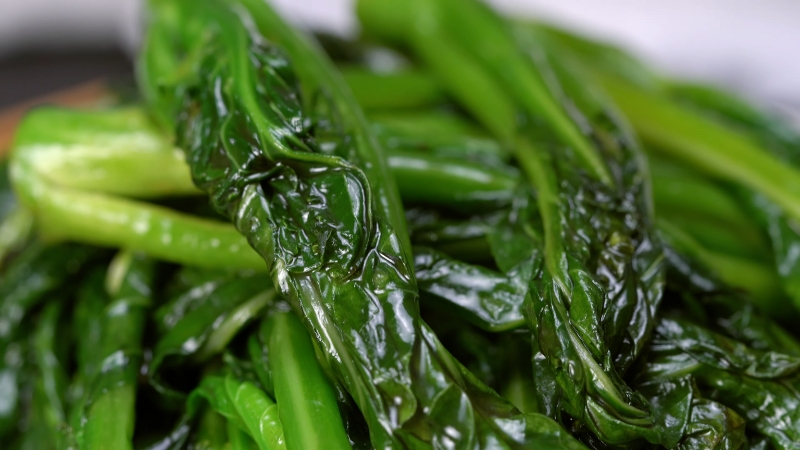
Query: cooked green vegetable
(487, 299)
(78, 182)
(48, 411)
(306, 399)
(246, 408)
(579, 350)
(465, 247)
(397, 90)
(88, 318)
(713, 133)
(356, 243)
(200, 326)
(109, 408)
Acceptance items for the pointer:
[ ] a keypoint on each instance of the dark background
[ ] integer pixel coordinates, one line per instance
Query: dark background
(28, 75)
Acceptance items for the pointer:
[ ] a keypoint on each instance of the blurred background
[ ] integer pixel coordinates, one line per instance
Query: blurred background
(749, 46)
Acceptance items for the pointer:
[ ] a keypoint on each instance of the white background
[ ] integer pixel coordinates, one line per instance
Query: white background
(752, 46)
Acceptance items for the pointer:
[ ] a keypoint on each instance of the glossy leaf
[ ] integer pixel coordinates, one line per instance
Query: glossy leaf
(488, 299)
(203, 320)
(593, 303)
(244, 405)
(761, 386)
(342, 261)
(713, 426)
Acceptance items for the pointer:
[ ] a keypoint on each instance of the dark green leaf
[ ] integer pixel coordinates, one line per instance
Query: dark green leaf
(203, 320)
(761, 386)
(713, 426)
(487, 299)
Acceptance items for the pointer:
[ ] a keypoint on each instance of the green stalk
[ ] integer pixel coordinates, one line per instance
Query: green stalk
(110, 419)
(244, 405)
(238, 439)
(439, 135)
(720, 237)
(14, 231)
(675, 189)
(707, 146)
(306, 399)
(520, 390)
(449, 181)
(538, 167)
(460, 74)
(260, 414)
(759, 280)
(426, 123)
(67, 214)
(88, 318)
(706, 211)
(258, 349)
(54, 168)
(109, 414)
(392, 91)
(225, 330)
(49, 395)
(212, 432)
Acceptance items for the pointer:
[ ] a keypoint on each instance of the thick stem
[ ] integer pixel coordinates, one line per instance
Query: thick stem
(118, 152)
(306, 399)
(675, 189)
(259, 414)
(109, 414)
(538, 167)
(485, 36)
(448, 181)
(397, 90)
(760, 281)
(72, 181)
(72, 214)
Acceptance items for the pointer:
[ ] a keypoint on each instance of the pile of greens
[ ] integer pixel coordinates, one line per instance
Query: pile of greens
(458, 232)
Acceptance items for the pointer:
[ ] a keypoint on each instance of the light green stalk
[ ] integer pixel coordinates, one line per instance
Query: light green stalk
(245, 406)
(398, 90)
(706, 145)
(760, 281)
(72, 178)
(14, 231)
(109, 414)
(306, 398)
